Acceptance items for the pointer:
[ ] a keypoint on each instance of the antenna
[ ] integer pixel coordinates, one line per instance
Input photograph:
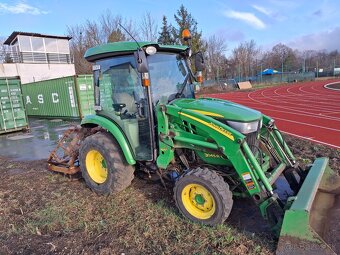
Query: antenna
(129, 34)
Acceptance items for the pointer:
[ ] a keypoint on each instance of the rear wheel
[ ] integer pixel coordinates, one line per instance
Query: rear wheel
(202, 196)
(103, 165)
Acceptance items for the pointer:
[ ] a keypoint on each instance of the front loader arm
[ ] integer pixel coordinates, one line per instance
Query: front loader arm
(178, 126)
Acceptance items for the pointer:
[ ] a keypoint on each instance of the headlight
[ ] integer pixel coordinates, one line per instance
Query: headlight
(244, 128)
(150, 50)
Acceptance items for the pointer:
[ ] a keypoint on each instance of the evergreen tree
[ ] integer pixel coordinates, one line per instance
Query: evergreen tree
(165, 36)
(185, 20)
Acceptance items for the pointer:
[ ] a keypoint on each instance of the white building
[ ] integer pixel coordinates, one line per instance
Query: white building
(36, 57)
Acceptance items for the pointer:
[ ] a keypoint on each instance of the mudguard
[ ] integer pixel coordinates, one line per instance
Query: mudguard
(115, 131)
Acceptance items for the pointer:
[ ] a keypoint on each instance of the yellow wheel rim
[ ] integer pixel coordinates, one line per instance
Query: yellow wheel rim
(96, 166)
(198, 201)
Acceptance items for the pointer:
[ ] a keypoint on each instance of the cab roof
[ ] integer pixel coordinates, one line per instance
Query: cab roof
(122, 48)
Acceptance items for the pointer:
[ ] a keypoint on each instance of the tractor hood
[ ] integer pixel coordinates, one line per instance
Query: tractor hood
(218, 108)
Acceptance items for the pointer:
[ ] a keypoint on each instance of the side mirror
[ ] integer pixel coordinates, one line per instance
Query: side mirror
(142, 64)
(199, 62)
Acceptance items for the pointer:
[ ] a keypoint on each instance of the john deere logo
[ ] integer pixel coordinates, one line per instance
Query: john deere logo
(223, 131)
(211, 155)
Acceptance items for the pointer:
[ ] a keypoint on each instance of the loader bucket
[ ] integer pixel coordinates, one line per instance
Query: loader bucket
(307, 224)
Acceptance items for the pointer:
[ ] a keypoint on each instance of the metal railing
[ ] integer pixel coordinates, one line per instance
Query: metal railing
(35, 57)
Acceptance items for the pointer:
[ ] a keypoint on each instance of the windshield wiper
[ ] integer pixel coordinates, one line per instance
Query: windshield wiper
(185, 82)
(172, 97)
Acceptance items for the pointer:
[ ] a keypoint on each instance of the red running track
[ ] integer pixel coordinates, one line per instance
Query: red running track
(307, 110)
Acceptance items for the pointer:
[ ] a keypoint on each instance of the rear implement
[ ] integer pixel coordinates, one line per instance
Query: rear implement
(64, 158)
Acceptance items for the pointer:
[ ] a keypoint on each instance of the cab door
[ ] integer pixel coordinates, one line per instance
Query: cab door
(124, 100)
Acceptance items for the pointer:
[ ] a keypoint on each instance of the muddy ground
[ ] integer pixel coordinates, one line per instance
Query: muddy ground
(47, 213)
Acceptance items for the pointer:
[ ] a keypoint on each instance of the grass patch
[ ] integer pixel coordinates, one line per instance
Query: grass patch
(40, 211)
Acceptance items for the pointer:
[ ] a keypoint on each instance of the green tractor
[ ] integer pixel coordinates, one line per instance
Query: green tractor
(213, 151)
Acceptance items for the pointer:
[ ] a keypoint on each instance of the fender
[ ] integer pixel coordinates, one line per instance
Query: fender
(115, 131)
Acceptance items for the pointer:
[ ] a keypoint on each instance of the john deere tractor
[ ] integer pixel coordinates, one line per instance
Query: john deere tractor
(213, 151)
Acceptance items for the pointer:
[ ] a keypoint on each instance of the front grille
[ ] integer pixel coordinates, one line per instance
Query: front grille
(252, 141)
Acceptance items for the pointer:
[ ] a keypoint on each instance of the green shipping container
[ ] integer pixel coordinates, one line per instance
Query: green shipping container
(12, 109)
(69, 97)
(85, 94)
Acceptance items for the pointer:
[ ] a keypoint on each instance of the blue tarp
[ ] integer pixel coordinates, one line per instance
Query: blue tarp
(269, 71)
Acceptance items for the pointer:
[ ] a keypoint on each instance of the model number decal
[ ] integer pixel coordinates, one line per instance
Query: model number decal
(248, 180)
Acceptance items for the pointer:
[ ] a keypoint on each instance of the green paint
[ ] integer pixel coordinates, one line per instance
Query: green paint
(199, 199)
(104, 163)
(115, 131)
(298, 219)
(120, 48)
(219, 139)
(85, 94)
(12, 108)
(52, 98)
(257, 167)
(228, 110)
(307, 192)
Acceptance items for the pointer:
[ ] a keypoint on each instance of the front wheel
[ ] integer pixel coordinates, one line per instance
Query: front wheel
(103, 165)
(203, 196)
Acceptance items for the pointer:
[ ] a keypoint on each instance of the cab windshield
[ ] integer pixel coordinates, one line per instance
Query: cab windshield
(169, 74)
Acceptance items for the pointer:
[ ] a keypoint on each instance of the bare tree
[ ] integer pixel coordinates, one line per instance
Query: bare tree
(216, 60)
(107, 29)
(112, 28)
(78, 46)
(2, 50)
(244, 58)
(283, 57)
(148, 28)
(5, 52)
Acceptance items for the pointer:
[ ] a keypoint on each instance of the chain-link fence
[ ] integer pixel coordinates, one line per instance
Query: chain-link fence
(279, 78)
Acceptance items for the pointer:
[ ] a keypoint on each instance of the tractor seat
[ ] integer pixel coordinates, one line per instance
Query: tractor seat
(126, 98)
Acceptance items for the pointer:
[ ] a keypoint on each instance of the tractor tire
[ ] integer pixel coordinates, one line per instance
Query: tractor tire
(103, 165)
(203, 196)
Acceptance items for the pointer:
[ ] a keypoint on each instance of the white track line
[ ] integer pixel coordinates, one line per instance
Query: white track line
(310, 139)
(323, 107)
(307, 124)
(285, 108)
(337, 82)
(309, 95)
(319, 116)
(308, 114)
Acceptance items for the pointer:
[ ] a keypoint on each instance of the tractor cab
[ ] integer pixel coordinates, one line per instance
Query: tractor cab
(127, 95)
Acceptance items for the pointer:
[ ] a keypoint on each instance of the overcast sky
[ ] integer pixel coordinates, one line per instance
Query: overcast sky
(301, 24)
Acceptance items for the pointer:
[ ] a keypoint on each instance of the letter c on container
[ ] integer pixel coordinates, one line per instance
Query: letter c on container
(55, 98)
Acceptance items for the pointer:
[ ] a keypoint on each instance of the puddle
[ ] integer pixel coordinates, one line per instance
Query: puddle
(31, 127)
(38, 143)
(246, 215)
(19, 137)
(62, 128)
